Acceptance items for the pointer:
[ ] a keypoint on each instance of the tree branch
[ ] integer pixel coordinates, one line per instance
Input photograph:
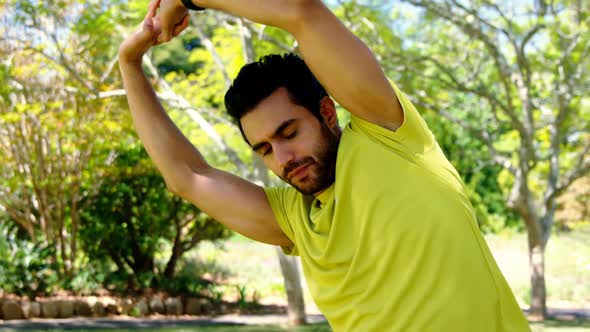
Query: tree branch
(582, 168)
(482, 134)
(262, 35)
(180, 102)
(506, 73)
(216, 58)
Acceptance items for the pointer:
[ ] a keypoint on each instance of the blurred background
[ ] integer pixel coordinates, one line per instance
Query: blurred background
(504, 86)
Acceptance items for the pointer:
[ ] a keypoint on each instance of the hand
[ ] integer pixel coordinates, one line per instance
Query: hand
(171, 14)
(136, 45)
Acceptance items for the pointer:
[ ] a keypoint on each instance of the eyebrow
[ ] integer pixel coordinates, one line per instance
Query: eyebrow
(277, 132)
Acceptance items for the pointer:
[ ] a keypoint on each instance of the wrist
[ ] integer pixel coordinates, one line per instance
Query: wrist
(129, 62)
(131, 51)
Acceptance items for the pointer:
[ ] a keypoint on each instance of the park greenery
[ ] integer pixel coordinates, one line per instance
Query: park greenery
(503, 85)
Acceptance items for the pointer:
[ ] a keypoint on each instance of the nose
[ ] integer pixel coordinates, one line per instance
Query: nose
(284, 155)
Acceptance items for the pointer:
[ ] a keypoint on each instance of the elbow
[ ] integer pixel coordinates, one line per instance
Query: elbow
(177, 182)
(179, 190)
(182, 181)
(173, 188)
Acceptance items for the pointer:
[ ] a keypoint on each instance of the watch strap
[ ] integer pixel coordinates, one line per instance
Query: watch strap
(190, 5)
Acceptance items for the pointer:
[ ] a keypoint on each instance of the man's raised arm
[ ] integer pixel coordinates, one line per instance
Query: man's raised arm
(238, 204)
(342, 63)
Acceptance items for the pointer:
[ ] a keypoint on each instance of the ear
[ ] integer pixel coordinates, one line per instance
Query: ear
(328, 112)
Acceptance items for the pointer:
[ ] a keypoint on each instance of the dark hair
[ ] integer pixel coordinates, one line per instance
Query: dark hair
(258, 80)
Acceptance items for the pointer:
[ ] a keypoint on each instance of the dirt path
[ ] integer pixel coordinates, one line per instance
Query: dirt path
(150, 322)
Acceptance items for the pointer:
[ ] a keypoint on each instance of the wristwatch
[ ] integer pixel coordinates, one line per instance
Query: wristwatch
(190, 5)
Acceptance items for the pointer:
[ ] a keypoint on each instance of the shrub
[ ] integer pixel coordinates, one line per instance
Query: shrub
(26, 267)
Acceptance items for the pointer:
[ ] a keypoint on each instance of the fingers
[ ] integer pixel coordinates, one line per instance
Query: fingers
(152, 9)
(180, 27)
(150, 17)
(164, 37)
(151, 27)
(166, 19)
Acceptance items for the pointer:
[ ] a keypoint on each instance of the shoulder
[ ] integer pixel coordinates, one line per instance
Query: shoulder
(412, 134)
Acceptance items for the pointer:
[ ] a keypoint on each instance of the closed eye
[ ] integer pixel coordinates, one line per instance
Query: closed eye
(293, 134)
(264, 150)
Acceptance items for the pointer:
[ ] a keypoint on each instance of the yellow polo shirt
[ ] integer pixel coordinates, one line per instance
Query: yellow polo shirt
(393, 244)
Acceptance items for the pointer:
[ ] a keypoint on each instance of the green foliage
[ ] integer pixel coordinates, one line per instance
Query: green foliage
(467, 153)
(513, 76)
(135, 312)
(4, 88)
(133, 216)
(128, 231)
(87, 281)
(184, 284)
(26, 268)
(480, 175)
(56, 132)
(245, 299)
(173, 56)
(242, 301)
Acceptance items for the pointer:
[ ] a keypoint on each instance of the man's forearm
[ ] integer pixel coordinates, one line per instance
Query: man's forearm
(170, 150)
(279, 13)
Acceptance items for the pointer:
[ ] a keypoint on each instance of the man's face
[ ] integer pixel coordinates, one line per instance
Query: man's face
(293, 143)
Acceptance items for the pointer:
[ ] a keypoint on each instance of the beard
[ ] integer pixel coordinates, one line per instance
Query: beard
(321, 171)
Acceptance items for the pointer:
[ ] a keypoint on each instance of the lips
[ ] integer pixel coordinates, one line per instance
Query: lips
(299, 171)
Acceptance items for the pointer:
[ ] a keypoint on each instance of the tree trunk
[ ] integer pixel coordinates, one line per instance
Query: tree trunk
(75, 213)
(296, 304)
(538, 232)
(538, 309)
(176, 252)
(170, 270)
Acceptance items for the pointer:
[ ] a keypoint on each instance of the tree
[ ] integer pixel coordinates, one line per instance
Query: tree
(131, 216)
(516, 77)
(54, 124)
(78, 73)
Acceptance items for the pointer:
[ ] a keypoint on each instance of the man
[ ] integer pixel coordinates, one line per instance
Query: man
(386, 234)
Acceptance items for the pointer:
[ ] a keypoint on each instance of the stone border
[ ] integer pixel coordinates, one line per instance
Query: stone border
(94, 306)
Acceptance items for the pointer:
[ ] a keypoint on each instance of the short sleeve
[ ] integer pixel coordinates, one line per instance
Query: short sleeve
(413, 136)
(283, 202)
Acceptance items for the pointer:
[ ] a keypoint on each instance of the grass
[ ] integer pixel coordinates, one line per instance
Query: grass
(242, 262)
(562, 326)
(567, 267)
